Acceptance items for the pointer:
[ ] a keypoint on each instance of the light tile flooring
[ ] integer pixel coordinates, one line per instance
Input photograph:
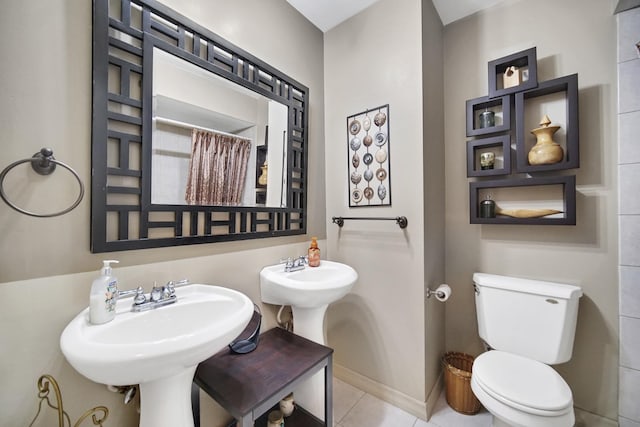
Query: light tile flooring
(355, 408)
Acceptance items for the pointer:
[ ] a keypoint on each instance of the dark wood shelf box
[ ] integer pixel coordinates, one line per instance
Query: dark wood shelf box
(527, 69)
(501, 107)
(548, 192)
(499, 145)
(541, 100)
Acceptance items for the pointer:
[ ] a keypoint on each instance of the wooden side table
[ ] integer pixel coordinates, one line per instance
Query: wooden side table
(249, 385)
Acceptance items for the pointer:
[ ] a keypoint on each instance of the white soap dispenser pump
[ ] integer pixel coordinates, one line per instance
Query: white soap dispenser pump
(104, 294)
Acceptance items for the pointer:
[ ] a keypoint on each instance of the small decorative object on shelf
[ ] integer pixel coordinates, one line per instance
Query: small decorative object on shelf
(487, 208)
(368, 143)
(262, 180)
(511, 77)
(487, 119)
(275, 419)
(546, 151)
(487, 160)
(525, 213)
(287, 405)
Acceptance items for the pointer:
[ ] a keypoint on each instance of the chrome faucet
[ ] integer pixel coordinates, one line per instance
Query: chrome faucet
(296, 264)
(158, 297)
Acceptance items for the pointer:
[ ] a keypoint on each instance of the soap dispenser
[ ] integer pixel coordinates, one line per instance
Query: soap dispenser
(314, 253)
(104, 295)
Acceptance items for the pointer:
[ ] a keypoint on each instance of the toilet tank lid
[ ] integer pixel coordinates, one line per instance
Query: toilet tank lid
(537, 287)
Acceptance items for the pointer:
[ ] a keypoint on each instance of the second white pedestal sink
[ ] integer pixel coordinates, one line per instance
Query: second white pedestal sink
(309, 292)
(158, 349)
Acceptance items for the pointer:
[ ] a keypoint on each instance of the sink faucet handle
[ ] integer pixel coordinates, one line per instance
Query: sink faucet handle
(139, 298)
(286, 260)
(128, 292)
(169, 289)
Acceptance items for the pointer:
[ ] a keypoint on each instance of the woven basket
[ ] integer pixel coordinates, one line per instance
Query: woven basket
(457, 380)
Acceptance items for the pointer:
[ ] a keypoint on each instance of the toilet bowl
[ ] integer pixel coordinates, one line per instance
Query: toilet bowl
(521, 392)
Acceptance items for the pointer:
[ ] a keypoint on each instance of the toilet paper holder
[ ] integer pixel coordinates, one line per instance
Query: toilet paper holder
(442, 292)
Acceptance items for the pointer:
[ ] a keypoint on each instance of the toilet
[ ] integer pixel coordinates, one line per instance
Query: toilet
(528, 325)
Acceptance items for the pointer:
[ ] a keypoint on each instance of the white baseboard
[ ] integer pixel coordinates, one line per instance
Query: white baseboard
(386, 393)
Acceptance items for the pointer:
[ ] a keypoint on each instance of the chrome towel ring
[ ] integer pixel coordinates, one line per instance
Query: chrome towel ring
(42, 163)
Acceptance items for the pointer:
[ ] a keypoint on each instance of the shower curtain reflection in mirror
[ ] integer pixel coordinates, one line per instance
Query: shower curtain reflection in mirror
(217, 169)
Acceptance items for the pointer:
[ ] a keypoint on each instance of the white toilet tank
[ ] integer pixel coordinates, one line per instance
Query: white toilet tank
(531, 318)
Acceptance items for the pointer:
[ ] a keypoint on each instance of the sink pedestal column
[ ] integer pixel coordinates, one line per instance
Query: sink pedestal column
(309, 323)
(167, 402)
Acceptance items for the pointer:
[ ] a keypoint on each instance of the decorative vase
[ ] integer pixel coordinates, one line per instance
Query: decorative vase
(287, 405)
(262, 180)
(546, 151)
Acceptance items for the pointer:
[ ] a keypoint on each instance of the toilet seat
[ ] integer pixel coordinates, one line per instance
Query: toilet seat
(523, 384)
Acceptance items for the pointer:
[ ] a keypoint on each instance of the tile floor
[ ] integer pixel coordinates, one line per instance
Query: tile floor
(355, 408)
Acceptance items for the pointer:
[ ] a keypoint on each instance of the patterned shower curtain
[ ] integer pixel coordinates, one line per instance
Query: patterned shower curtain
(217, 169)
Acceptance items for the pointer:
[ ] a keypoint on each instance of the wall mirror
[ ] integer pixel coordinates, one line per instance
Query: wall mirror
(194, 140)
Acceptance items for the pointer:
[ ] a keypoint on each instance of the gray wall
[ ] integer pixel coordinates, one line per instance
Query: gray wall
(373, 59)
(572, 36)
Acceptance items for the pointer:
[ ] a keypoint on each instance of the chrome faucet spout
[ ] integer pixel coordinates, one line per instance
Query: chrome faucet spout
(296, 264)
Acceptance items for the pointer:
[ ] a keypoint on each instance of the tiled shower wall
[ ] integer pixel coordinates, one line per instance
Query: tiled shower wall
(629, 213)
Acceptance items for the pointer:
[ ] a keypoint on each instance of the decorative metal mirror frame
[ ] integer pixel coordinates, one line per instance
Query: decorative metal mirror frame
(124, 120)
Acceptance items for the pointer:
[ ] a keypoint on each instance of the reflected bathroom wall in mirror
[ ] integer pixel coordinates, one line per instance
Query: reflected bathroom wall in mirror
(187, 99)
(165, 91)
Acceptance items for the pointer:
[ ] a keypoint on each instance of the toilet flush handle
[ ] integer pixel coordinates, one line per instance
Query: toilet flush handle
(476, 289)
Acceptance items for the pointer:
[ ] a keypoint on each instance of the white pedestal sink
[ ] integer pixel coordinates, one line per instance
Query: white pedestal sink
(309, 292)
(158, 349)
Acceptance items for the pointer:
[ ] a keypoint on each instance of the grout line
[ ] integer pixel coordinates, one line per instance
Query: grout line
(353, 406)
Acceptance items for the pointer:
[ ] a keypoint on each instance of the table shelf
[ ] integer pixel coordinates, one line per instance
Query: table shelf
(249, 385)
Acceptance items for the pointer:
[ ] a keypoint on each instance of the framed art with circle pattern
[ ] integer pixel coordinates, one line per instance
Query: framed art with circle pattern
(368, 144)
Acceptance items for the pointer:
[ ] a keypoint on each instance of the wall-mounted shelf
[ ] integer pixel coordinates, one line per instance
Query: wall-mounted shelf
(519, 200)
(541, 99)
(530, 194)
(501, 107)
(500, 146)
(527, 72)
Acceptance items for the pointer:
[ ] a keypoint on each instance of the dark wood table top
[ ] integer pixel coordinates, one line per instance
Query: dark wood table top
(242, 382)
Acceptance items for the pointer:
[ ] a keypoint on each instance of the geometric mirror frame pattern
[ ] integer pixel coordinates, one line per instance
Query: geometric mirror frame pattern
(122, 215)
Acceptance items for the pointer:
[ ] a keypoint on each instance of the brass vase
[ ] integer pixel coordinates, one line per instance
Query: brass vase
(262, 179)
(546, 151)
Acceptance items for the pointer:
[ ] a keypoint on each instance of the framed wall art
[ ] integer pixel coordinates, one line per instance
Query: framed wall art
(368, 151)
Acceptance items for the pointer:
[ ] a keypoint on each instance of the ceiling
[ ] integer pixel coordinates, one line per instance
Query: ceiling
(326, 14)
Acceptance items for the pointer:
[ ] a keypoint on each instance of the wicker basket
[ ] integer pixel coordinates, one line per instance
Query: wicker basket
(457, 380)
